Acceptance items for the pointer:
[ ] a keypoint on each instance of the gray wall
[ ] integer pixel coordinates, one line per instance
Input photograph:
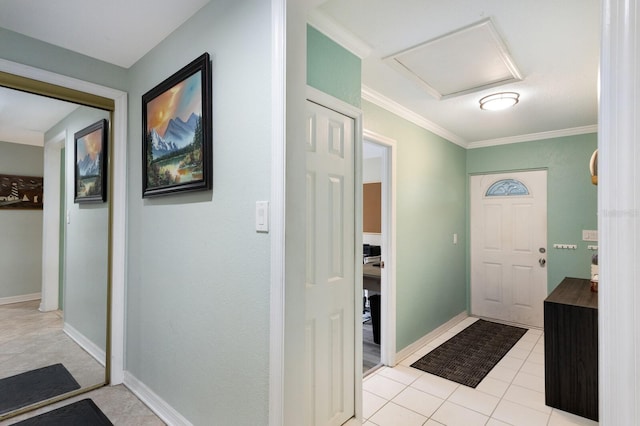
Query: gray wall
(20, 230)
(25, 50)
(86, 243)
(197, 314)
(198, 273)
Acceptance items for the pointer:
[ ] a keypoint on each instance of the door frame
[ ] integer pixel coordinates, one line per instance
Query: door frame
(471, 218)
(51, 224)
(117, 206)
(335, 104)
(388, 249)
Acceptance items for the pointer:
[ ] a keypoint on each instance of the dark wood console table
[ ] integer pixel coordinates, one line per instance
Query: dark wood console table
(571, 348)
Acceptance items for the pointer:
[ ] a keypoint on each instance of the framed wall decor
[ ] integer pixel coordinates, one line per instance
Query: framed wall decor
(20, 192)
(91, 163)
(176, 123)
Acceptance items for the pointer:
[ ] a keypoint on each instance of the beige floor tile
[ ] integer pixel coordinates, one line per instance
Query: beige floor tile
(395, 415)
(418, 401)
(475, 400)
(451, 414)
(434, 385)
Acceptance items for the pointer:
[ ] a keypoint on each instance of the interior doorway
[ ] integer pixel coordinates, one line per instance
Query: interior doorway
(378, 177)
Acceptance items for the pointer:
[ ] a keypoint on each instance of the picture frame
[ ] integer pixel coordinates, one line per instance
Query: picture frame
(90, 163)
(176, 140)
(21, 192)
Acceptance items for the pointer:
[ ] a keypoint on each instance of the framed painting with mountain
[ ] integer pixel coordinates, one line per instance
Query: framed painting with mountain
(91, 163)
(176, 144)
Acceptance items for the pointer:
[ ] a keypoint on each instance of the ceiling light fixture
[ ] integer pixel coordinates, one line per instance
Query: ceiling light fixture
(498, 101)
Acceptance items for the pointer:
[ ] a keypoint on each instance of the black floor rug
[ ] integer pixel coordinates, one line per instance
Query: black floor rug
(82, 413)
(468, 357)
(34, 386)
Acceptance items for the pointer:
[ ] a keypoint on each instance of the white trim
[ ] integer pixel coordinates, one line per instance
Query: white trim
(51, 223)
(388, 308)
(338, 105)
(17, 299)
(535, 136)
(336, 32)
(349, 110)
(156, 404)
(382, 101)
(619, 214)
(119, 234)
(118, 198)
(401, 355)
(91, 348)
(277, 213)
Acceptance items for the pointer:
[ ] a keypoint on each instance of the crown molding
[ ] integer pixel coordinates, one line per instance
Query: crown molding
(329, 27)
(534, 136)
(382, 101)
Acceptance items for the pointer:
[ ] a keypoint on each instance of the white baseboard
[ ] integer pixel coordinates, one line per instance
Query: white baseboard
(429, 337)
(94, 350)
(18, 299)
(156, 404)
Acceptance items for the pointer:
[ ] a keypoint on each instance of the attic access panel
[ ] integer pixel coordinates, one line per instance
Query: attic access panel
(468, 60)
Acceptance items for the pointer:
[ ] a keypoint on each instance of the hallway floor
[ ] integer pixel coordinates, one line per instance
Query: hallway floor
(116, 402)
(511, 394)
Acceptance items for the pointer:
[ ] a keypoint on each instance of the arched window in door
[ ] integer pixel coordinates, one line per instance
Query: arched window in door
(507, 187)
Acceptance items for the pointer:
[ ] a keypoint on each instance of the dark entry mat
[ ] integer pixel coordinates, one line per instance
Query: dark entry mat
(34, 386)
(468, 356)
(82, 413)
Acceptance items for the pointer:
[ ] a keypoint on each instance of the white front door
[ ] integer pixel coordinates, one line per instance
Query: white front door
(508, 246)
(330, 270)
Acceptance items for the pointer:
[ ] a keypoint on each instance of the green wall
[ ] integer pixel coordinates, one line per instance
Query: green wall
(20, 230)
(571, 198)
(332, 69)
(86, 241)
(198, 273)
(430, 208)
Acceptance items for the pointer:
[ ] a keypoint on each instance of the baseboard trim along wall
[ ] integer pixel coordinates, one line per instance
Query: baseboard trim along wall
(21, 298)
(156, 404)
(94, 350)
(430, 336)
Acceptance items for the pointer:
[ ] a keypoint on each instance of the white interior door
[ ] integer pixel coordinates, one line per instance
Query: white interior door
(330, 270)
(508, 246)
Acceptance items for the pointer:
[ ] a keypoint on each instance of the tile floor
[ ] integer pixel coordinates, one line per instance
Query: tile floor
(511, 394)
(116, 402)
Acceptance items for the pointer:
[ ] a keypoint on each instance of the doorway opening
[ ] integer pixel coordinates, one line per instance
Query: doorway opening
(378, 316)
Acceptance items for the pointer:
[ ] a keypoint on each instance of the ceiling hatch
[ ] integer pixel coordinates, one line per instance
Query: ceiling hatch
(464, 61)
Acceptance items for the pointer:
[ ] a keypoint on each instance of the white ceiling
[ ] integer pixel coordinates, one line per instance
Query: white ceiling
(24, 117)
(115, 31)
(553, 43)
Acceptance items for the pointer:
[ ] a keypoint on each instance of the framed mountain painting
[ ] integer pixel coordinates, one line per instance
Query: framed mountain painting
(91, 163)
(176, 123)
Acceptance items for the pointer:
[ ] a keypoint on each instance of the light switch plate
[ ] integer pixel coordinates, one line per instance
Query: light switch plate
(262, 216)
(589, 235)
